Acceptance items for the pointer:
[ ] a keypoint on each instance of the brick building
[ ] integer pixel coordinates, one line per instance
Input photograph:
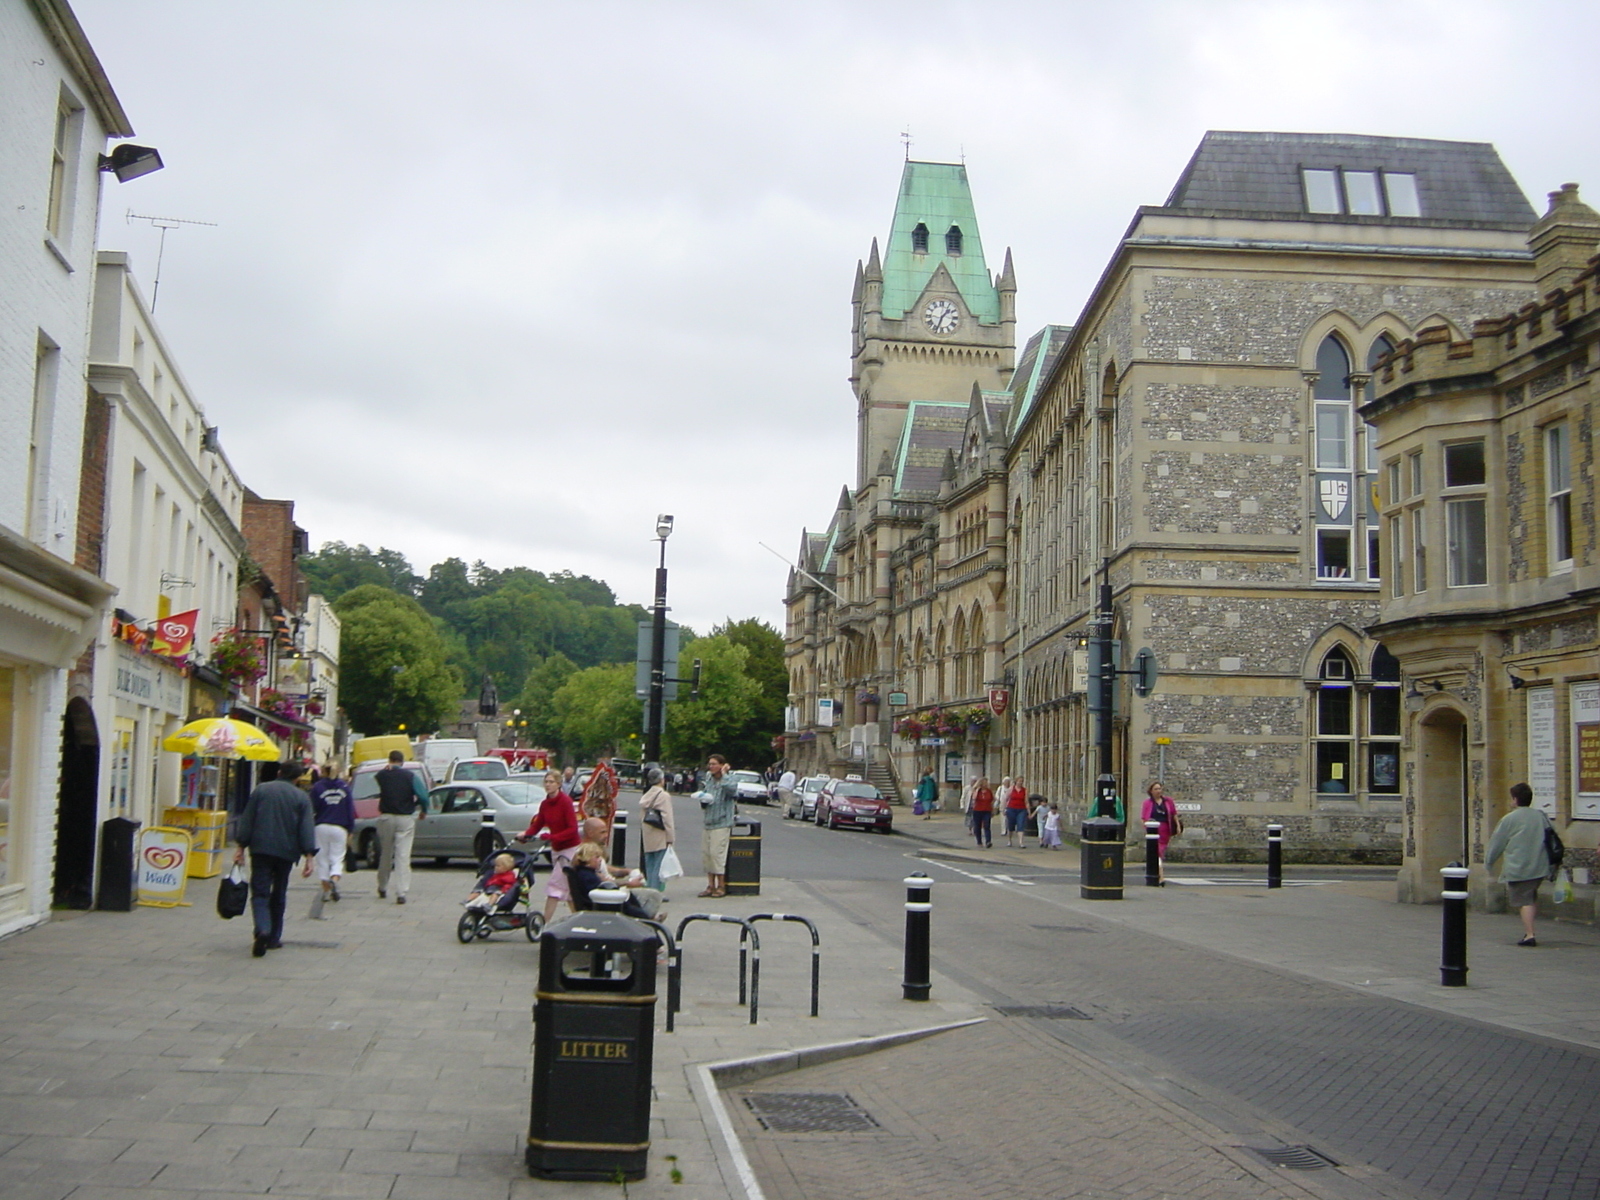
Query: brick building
(1488, 490)
(1197, 437)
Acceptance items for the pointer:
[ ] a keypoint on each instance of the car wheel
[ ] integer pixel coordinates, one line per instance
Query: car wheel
(534, 927)
(467, 928)
(833, 822)
(369, 848)
(490, 841)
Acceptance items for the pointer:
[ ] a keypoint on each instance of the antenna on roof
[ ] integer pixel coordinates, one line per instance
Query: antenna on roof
(905, 136)
(163, 224)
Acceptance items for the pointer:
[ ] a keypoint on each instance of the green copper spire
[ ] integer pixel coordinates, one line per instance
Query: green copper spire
(936, 197)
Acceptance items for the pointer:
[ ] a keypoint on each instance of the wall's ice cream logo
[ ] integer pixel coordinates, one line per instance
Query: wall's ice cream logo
(163, 858)
(174, 635)
(163, 864)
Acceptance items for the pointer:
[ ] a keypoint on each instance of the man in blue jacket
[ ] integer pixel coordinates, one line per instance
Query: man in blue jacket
(276, 827)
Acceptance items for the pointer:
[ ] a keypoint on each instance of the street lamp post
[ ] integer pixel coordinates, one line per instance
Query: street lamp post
(658, 650)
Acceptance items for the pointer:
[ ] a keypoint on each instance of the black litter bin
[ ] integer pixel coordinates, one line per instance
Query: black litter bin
(744, 858)
(1101, 877)
(115, 893)
(593, 1044)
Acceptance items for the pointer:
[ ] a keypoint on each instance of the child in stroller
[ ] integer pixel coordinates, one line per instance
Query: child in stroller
(499, 899)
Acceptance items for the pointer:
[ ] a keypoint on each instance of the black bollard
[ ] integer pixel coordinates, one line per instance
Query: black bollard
(919, 911)
(1152, 854)
(1453, 961)
(619, 840)
(1274, 856)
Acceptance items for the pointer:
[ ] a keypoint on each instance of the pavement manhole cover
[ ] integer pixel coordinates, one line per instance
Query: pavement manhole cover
(810, 1112)
(1044, 1012)
(313, 945)
(1295, 1158)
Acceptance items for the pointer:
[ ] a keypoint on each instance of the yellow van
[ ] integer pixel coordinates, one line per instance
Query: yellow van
(368, 749)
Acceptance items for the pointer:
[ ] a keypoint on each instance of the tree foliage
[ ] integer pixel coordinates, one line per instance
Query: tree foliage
(720, 720)
(538, 695)
(338, 568)
(596, 712)
(392, 664)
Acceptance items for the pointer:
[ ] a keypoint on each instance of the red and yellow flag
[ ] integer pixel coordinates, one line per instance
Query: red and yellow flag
(174, 635)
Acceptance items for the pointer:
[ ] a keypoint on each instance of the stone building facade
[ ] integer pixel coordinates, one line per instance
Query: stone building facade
(1196, 440)
(904, 590)
(1488, 491)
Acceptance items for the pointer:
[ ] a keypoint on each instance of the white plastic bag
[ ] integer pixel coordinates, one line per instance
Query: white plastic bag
(1563, 891)
(671, 868)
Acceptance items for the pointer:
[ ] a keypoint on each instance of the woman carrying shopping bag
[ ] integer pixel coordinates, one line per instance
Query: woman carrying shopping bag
(655, 811)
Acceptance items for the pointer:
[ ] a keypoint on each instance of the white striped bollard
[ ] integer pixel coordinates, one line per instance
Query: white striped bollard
(919, 911)
(1274, 856)
(1152, 854)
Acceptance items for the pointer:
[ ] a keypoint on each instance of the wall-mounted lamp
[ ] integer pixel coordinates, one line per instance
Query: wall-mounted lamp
(128, 161)
(1517, 681)
(1416, 694)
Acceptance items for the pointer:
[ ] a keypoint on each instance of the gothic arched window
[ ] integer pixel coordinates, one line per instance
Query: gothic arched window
(1332, 413)
(1383, 724)
(1335, 723)
(919, 239)
(952, 241)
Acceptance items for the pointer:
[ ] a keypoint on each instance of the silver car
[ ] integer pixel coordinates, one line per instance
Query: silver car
(456, 828)
(803, 800)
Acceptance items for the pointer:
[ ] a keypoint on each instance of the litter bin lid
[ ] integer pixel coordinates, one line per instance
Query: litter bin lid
(1101, 829)
(598, 930)
(746, 827)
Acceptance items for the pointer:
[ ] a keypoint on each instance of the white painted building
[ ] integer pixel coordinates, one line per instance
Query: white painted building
(320, 639)
(57, 111)
(171, 504)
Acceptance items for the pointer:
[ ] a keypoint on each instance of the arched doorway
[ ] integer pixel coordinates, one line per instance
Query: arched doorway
(77, 807)
(1442, 802)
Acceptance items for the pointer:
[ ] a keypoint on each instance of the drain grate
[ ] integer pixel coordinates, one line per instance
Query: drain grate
(1294, 1158)
(1044, 1012)
(1065, 928)
(810, 1112)
(309, 945)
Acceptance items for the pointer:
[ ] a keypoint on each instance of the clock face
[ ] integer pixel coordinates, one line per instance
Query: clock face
(941, 316)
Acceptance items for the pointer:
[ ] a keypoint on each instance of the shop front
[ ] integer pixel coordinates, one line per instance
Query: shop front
(149, 698)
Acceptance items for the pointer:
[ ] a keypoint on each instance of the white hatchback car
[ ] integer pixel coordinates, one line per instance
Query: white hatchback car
(803, 800)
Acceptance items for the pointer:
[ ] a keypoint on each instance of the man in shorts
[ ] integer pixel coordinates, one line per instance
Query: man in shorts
(718, 810)
(1519, 839)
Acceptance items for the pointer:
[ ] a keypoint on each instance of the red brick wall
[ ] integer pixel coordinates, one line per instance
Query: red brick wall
(268, 528)
(89, 553)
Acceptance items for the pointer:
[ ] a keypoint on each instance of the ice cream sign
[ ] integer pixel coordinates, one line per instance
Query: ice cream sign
(162, 866)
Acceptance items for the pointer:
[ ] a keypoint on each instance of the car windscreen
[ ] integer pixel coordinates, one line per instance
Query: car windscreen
(365, 785)
(480, 770)
(514, 792)
(857, 791)
(744, 777)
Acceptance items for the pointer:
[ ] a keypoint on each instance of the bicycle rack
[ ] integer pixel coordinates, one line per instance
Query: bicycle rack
(672, 966)
(755, 959)
(816, 951)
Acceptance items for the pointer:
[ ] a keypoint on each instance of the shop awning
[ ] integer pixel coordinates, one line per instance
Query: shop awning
(261, 717)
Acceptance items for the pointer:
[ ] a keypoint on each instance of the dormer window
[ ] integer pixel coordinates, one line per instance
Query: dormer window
(1360, 193)
(919, 239)
(952, 241)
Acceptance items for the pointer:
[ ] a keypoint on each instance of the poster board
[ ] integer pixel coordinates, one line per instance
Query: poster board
(1542, 748)
(161, 866)
(1585, 751)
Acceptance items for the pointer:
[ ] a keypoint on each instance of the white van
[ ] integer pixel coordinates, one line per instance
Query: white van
(440, 754)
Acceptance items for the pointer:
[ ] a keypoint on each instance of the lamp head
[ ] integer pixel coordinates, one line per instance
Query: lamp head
(663, 526)
(128, 161)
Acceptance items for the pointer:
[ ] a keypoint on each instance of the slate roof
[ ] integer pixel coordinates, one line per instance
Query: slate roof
(1457, 182)
(936, 195)
(932, 428)
(1034, 365)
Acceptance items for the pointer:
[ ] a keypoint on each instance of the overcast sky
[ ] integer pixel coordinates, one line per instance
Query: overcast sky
(504, 280)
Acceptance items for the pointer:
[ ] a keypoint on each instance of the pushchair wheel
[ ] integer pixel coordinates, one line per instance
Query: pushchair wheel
(485, 926)
(534, 926)
(467, 928)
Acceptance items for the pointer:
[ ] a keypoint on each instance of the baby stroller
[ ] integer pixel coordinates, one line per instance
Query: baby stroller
(511, 911)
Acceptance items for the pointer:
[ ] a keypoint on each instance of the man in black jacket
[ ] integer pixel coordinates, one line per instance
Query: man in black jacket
(277, 828)
(402, 799)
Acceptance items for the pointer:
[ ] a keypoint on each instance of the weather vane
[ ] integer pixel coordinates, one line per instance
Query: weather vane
(905, 136)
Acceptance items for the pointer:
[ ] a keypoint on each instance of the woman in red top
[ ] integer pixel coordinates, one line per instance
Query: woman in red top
(1160, 808)
(1016, 801)
(981, 809)
(558, 816)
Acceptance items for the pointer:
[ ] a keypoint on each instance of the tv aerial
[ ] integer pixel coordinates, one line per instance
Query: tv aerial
(163, 224)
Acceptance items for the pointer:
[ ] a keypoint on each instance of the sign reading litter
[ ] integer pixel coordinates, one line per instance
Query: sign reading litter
(162, 862)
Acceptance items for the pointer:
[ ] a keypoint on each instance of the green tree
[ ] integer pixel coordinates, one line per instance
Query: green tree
(596, 711)
(338, 568)
(720, 720)
(392, 665)
(537, 698)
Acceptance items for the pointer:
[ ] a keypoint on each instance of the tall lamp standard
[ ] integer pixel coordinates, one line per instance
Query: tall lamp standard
(658, 650)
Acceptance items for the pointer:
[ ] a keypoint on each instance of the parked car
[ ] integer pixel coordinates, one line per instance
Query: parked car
(803, 800)
(364, 795)
(455, 827)
(478, 768)
(751, 788)
(851, 802)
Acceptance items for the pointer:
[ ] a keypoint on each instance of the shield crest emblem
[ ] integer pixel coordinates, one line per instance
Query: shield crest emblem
(1335, 496)
(999, 700)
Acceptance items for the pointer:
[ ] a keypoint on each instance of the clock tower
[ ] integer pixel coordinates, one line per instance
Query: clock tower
(928, 319)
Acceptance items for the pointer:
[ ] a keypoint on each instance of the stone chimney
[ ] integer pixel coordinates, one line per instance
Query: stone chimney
(1564, 239)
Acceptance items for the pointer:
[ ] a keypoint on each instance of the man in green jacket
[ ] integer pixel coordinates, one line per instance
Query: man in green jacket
(1519, 839)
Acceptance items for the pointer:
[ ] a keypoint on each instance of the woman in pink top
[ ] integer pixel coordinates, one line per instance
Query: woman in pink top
(1159, 807)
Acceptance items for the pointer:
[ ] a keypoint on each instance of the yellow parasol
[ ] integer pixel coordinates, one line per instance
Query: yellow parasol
(222, 737)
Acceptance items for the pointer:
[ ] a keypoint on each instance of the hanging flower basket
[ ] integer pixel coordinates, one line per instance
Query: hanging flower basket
(237, 657)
